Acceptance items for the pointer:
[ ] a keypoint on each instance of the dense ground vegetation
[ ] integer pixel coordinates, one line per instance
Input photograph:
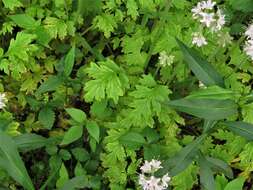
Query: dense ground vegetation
(126, 94)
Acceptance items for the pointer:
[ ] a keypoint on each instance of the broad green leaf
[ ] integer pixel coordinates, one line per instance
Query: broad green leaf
(240, 128)
(210, 109)
(183, 158)
(11, 4)
(69, 61)
(73, 134)
(204, 71)
(64, 177)
(220, 166)
(50, 84)
(26, 142)
(24, 21)
(76, 114)
(47, 117)
(132, 140)
(236, 184)
(93, 130)
(206, 174)
(213, 92)
(76, 182)
(12, 163)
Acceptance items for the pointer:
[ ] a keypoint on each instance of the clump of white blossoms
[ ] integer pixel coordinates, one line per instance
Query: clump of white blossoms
(3, 100)
(206, 14)
(198, 39)
(165, 60)
(249, 43)
(147, 179)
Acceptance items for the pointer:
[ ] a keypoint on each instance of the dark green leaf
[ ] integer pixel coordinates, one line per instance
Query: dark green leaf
(210, 109)
(243, 5)
(206, 174)
(76, 182)
(80, 154)
(183, 158)
(240, 128)
(220, 166)
(12, 162)
(47, 117)
(204, 71)
(50, 84)
(26, 142)
(213, 92)
(69, 61)
(208, 125)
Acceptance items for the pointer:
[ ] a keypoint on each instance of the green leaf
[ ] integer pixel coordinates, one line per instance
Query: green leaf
(76, 182)
(206, 174)
(24, 21)
(12, 162)
(80, 154)
(109, 81)
(69, 61)
(73, 134)
(50, 84)
(240, 128)
(236, 184)
(26, 142)
(76, 114)
(11, 4)
(93, 130)
(243, 5)
(64, 177)
(220, 166)
(132, 140)
(210, 109)
(43, 36)
(208, 125)
(204, 71)
(213, 92)
(47, 117)
(21, 46)
(183, 158)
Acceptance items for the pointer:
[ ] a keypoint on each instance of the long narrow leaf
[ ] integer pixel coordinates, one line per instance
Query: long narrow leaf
(12, 162)
(204, 71)
(182, 159)
(240, 128)
(206, 174)
(210, 109)
(220, 166)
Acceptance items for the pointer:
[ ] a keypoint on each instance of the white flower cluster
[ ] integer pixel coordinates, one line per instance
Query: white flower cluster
(249, 43)
(165, 60)
(198, 39)
(148, 181)
(3, 100)
(206, 14)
